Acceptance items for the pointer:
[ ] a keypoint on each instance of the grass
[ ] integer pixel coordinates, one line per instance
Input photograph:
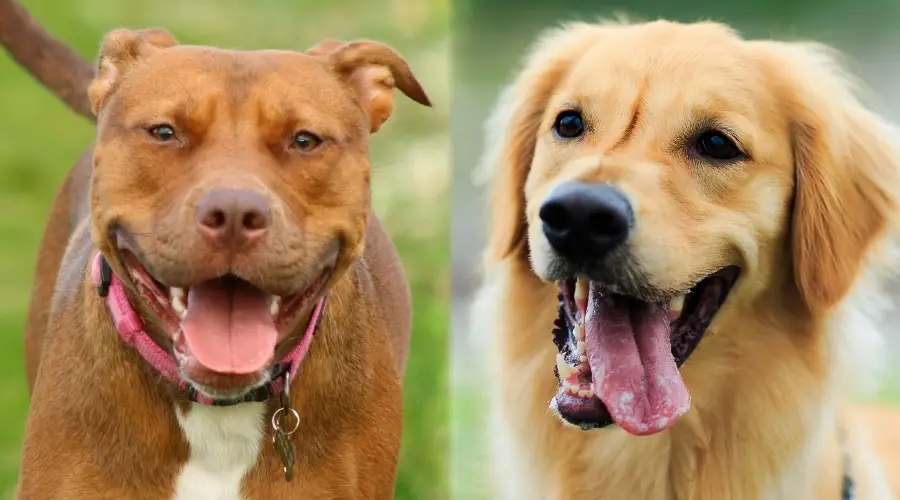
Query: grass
(40, 139)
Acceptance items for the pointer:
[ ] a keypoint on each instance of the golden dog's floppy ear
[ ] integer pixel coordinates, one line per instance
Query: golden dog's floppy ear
(512, 130)
(372, 70)
(847, 165)
(119, 51)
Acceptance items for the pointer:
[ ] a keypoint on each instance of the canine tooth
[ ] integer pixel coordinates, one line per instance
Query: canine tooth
(562, 367)
(178, 305)
(582, 358)
(578, 331)
(676, 304)
(581, 289)
(177, 293)
(274, 305)
(581, 347)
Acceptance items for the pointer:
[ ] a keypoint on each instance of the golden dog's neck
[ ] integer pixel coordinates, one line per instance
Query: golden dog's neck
(749, 383)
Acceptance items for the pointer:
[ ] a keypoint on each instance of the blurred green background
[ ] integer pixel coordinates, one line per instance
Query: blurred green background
(490, 38)
(40, 139)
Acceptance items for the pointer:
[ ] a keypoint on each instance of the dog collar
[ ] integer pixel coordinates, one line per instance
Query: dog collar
(131, 331)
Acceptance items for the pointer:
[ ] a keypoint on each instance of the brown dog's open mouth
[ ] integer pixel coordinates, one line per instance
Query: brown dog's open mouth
(619, 356)
(225, 324)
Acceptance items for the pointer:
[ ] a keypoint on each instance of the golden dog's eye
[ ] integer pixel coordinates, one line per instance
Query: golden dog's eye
(716, 145)
(306, 141)
(568, 125)
(162, 133)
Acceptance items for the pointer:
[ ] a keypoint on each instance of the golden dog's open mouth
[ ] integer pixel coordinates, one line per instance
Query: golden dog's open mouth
(619, 356)
(226, 324)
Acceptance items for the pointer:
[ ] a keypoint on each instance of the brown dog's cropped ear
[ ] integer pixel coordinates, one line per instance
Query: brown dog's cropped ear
(847, 165)
(372, 70)
(119, 51)
(512, 130)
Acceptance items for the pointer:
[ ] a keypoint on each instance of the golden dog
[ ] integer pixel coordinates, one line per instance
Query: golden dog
(183, 274)
(695, 221)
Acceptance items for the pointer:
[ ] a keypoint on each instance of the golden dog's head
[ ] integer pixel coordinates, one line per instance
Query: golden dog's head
(233, 188)
(651, 169)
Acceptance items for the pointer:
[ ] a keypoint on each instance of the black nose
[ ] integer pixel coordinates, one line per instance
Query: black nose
(584, 221)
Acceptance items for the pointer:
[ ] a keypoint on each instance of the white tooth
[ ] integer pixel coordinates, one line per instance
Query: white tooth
(178, 302)
(578, 331)
(582, 358)
(581, 347)
(562, 367)
(274, 305)
(581, 289)
(584, 393)
(676, 304)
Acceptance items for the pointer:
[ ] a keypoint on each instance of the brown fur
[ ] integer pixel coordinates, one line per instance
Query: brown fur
(101, 423)
(801, 216)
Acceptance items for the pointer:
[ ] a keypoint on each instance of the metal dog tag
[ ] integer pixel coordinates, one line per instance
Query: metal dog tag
(285, 449)
(282, 437)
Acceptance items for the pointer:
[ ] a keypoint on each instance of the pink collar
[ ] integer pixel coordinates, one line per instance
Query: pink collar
(131, 330)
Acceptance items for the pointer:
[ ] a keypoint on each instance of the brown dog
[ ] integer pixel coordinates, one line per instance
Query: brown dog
(184, 272)
(655, 179)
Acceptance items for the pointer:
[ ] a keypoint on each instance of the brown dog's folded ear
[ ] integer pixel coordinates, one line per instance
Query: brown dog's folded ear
(324, 48)
(512, 132)
(372, 70)
(847, 168)
(119, 51)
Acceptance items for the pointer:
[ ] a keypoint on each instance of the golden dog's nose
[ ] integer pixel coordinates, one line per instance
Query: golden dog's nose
(232, 217)
(586, 220)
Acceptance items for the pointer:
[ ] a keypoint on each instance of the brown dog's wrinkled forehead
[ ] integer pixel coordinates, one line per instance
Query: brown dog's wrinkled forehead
(205, 80)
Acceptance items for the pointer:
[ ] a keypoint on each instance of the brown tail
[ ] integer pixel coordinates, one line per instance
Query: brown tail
(52, 62)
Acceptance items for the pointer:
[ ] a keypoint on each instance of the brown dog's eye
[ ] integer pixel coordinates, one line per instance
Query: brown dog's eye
(716, 145)
(568, 125)
(162, 133)
(305, 141)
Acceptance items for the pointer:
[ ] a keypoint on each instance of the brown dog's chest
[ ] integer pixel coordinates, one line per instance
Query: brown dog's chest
(205, 453)
(108, 428)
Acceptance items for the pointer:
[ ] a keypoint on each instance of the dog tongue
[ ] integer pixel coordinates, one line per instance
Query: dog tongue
(630, 355)
(228, 327)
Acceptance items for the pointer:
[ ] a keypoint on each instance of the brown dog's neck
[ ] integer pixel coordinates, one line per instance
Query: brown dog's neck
(124, 387)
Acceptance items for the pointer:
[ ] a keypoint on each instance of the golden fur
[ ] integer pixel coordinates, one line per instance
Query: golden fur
(807, 217)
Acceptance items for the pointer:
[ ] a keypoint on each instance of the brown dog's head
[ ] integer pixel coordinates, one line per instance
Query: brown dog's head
(651, 169)
(233, 188)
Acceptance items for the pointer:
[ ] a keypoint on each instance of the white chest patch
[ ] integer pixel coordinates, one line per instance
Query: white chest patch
(224, 444)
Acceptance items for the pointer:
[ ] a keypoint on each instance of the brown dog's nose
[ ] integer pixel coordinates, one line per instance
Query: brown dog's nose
(232, 217)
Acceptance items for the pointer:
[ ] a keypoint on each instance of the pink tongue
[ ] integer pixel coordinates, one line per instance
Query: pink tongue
(630, 356)
(228, 328)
